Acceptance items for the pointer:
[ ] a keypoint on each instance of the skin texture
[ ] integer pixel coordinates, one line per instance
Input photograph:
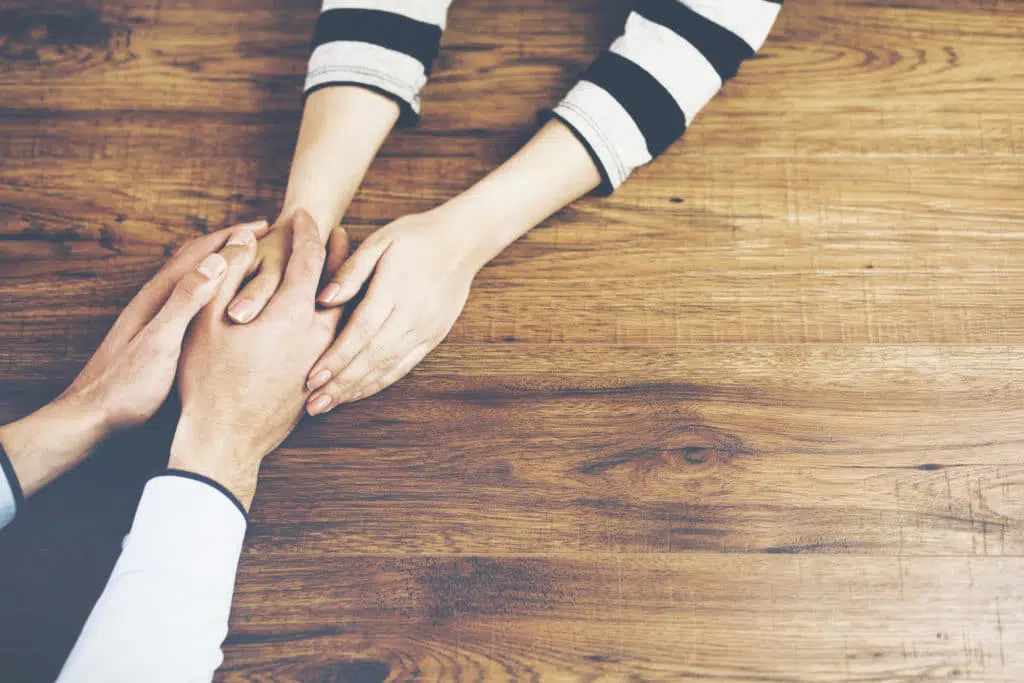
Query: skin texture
(420, 268)
(242, 386)
(130, 375)
(342, 129)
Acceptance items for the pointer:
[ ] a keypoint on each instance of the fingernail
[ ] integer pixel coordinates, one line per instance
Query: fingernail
(241, 238)
(241, 311)
(320, 405)
(319, 379)
(330, 293)
(212, 267)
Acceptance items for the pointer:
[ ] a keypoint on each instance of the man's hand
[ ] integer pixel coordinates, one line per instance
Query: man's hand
(420, 271)
(130, 375)
(243, 386)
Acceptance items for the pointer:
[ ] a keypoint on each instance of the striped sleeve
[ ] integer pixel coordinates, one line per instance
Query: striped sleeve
(386, 45)
(638, 97)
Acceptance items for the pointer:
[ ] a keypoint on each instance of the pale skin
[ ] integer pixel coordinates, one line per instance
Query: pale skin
(419, 268)
(130, 375)
(242, 388)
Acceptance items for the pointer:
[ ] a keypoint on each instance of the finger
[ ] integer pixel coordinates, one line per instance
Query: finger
(306, 263)
(368, 318)
(325, 401)
(196, 289)
(194, 251)
(155, 292)
(257, 293)
(240, 254)
(377, 358)
(354, 273)
(338, 246)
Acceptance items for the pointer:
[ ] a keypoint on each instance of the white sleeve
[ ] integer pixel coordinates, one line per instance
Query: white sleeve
(164, 612)
(638, 97)
(10, 490)
(385, 45)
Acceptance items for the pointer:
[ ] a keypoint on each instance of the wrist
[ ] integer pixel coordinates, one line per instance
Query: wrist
(551, 171)
(220, 458)
(476, 235)
(325, 220)
(52, 440)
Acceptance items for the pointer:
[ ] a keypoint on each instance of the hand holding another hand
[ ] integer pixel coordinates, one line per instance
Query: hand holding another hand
(130, 375)
(420, 270)
(243, 386)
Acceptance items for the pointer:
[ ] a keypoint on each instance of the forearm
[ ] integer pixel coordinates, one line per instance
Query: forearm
(551, 171)
(342, 130)
(51, 441)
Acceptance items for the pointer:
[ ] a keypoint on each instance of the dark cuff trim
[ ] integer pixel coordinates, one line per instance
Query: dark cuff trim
(606, 187)
(646, 100)
(12, 480)
(396, 32)
(407, 116)
(210, 482)
(723, 49)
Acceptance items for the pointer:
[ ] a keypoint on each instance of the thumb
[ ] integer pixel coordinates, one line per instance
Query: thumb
(196, 289)
(354, 273)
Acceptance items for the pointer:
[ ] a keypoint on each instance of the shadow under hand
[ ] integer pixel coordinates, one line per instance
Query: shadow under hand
(56, 557)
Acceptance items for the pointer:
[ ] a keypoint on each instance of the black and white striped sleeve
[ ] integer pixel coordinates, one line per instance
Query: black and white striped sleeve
(638, 96)
(385, 45)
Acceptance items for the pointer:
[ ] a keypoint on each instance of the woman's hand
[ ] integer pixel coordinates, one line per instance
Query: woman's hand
(419, 269)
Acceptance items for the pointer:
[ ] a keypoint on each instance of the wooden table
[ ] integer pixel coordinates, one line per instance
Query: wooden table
(757, 417)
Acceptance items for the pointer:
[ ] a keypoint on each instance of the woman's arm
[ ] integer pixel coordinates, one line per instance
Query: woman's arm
(342, 130)
(634, 101)
(370, 59)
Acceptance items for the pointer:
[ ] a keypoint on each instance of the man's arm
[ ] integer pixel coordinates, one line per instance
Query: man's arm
(129, 376)
(164, 612)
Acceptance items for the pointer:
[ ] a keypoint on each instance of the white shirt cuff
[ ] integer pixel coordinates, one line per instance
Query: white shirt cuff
(164, 612)
(10, 490)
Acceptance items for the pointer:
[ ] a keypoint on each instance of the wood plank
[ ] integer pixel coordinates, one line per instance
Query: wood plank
(836, 77)
(702, 616)
(838, 250)
(921, 307)
(838, 450)
(777, 449)
(833, 206)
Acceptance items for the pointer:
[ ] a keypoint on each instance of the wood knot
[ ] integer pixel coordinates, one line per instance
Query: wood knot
(689, 448)
(53, 35)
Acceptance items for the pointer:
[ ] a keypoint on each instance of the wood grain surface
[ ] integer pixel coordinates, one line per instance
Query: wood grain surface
(759, 416)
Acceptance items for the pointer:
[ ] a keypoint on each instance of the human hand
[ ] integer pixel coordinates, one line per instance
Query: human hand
(130, 375)
(267, 269)
(420, 269)
(242, 386)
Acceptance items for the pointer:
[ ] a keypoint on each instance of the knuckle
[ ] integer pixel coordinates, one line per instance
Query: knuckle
(189, 287)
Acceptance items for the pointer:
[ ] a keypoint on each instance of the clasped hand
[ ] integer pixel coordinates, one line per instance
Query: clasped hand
(249, 327)
(416, 273)
(242, 386)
